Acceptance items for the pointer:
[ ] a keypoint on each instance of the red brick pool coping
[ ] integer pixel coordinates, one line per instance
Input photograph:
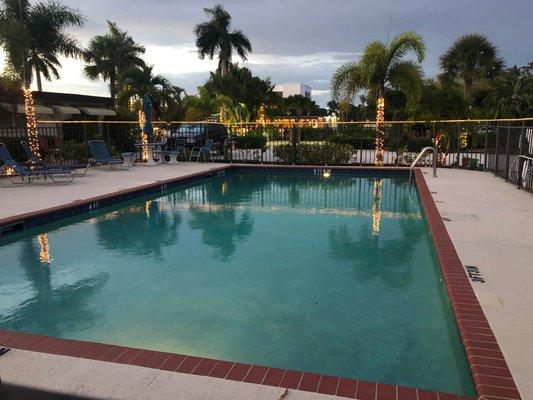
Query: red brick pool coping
(490, 372)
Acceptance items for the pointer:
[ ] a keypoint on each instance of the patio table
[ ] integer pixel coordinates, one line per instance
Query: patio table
(151, 148)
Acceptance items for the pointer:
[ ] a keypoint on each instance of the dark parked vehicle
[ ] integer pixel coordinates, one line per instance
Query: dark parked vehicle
(195, 135)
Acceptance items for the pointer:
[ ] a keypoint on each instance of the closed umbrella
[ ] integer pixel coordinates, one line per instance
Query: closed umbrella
(147, 108)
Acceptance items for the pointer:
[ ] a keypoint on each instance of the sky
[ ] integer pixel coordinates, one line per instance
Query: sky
(295, 40)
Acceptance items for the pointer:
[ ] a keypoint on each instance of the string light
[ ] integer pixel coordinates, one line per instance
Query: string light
(44, 251)
(222, 113)
(376, 207)
(440, 137)
(144, 137)
(31, 122)
(463, 139)
(380, 130)
(261, 115)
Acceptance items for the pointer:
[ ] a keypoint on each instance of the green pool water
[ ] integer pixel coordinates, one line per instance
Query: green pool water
(335, 276)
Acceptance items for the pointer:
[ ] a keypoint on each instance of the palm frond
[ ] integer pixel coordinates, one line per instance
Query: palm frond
(404, 43)
(347, 80)
(406, 76)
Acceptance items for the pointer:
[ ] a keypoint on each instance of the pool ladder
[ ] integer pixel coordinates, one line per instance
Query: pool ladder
(419, 156)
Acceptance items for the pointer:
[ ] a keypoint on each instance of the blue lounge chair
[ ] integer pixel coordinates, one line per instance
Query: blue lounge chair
(36, 163)
(205, 151)
(11, 169)
(101, 155)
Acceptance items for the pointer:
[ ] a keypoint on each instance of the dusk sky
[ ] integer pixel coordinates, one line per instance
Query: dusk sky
(296, 40)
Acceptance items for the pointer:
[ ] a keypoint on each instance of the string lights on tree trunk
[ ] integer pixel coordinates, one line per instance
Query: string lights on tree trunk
(144, 137)
(376, 207)
(31, 122)
(380, 130)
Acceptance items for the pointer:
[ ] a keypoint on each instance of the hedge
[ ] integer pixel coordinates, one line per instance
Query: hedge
(329, 153)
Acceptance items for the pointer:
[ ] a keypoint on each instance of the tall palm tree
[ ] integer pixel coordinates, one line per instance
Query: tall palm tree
(214, 36)
(471, 57)
(511, 95)
(108, 55)
(135, 82)
(34, 36)
(380, 66)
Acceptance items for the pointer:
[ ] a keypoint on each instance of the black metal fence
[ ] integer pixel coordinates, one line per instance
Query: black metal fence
(502, 147)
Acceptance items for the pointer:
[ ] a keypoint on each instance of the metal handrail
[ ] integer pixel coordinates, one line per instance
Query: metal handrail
(419, 156)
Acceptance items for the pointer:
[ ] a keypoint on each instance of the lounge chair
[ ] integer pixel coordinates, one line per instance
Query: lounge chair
(11, 168)
(101, 156)
(36, 163)
(205, 151)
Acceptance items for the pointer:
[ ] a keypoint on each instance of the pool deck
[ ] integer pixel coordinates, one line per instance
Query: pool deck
(22, 199)
(489, 223)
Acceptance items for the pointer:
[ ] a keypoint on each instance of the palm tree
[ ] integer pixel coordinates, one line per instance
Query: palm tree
(135, 82)
(110, 54)
(214, 36)
(511, 95)
(381, 66)
(471, 57)
(34, 36)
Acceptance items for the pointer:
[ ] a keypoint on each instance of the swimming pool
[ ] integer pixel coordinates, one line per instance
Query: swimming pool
(335, 276)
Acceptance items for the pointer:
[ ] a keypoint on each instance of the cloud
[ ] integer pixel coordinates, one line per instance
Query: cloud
(298, 40)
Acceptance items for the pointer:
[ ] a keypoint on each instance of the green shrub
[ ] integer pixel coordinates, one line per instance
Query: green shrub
(74, 151)
(354, 141)
(315, 134)
(319, 154)
(358, 136)
(251, 140)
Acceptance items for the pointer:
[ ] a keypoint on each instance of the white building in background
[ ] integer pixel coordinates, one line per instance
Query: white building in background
(293, 89)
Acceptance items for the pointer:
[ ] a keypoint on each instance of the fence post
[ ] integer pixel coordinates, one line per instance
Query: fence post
(486, 151)
(507, 152)
(520, 159)
(458, 142)
(436, 153)
(293, 147)
(497, 151)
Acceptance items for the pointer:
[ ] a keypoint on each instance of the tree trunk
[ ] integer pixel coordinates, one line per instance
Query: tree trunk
(39, 82)
(380, 127)
(468, 87)
(13, 110)
(112, 87)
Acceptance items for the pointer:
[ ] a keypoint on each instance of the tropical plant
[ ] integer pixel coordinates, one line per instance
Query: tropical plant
(34, 36)
(135, 82)
(241, 87)
(110, 54)
(299, 105)
(441, 100)
(472, 57)
(381, 66)
(214, 36)
(11, 95)
(511, 95)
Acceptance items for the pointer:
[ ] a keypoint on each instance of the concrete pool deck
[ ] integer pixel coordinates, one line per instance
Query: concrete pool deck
(489, 230)
(23, 199)
(491, 226)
